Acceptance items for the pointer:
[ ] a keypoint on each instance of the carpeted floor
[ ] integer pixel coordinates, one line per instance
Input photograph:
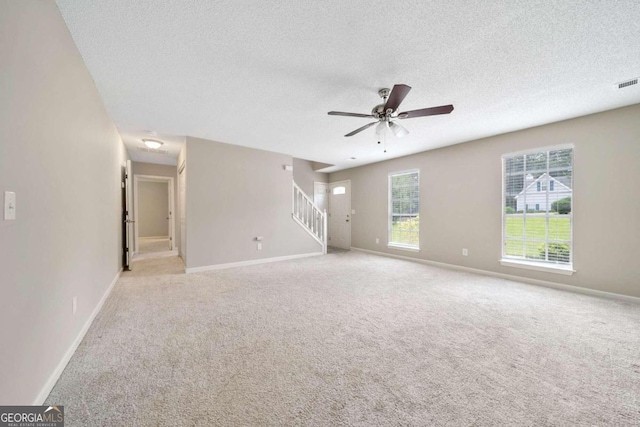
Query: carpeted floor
(350, 339)
(148, 245)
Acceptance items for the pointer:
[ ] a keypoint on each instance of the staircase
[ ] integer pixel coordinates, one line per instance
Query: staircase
(309, 216)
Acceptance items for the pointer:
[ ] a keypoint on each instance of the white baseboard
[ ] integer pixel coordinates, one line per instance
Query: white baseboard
(250, 262)
(53, 378)
(545, 283)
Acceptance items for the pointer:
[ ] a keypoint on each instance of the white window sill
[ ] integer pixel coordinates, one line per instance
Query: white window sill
(538, 266)
(403, 247)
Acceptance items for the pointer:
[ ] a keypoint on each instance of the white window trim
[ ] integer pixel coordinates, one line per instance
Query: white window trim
(395, 245)
(537, 150)
(403, 247)
(566, 269)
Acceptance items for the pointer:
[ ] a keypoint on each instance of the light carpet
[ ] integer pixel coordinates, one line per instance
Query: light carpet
(350, 339)
(148, 245)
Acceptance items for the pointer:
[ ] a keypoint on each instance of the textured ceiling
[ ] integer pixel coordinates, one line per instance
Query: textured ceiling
(265, 74)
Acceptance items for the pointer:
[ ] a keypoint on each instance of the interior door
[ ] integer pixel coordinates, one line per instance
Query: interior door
(340, 214)
(128, 217)
(170, 214)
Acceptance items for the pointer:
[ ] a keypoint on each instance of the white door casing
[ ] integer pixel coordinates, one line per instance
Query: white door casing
(128, 184)
(340, 214)
(170, 208)
(182, 173)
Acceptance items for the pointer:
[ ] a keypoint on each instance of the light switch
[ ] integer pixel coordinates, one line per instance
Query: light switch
(9, 205)
(353, 211)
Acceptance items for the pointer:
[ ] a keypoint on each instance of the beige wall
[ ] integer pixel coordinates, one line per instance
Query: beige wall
(235, 194)
(305, 176)
(460, 194)
(62, 155)
(153, 209)
(152, 169)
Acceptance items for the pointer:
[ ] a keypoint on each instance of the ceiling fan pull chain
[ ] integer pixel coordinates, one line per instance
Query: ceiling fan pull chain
(384, 136)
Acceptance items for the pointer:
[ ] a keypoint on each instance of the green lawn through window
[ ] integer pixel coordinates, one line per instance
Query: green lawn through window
(534, 233)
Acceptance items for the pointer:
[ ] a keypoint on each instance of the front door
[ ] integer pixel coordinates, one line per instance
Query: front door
(340, 214)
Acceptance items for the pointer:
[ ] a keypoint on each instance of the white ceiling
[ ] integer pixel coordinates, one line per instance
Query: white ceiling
(265, 74)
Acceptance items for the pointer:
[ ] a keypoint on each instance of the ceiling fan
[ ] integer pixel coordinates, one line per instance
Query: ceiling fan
(386, 113)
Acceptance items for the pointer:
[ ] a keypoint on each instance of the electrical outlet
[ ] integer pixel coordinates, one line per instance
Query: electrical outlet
(74, 305)
(9, 205)
(259, 246)
(377, 240)
(465, 252)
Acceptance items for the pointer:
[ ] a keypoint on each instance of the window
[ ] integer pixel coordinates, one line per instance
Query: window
(404, 210)
(542, 236)
(339, 190)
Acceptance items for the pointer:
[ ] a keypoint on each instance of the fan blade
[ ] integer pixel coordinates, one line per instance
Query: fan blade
(396, 97)
(433, 111)
(367, 126)
(398, 130)
(340, 113)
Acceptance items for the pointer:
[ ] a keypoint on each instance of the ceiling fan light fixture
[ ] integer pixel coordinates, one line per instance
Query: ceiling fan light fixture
(398, 130)
(384, 113)
(382, 126)
(152, 143)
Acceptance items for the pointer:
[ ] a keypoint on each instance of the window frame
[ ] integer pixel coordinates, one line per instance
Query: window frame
(396, 245)
(530, 264)
(342, 191)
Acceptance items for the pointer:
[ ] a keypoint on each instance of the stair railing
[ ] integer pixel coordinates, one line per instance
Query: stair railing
(309, 216)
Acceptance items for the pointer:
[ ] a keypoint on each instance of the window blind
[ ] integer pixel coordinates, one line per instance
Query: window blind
(404, 208)
(537, 206)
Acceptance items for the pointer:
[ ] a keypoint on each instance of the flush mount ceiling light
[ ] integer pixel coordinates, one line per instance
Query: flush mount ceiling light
(152, 143)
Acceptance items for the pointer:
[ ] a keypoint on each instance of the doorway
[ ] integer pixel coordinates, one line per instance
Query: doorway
(154, 213)
(340, 214)
(127, 215)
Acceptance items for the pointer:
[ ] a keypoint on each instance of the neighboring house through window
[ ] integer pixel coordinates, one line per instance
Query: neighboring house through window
(543, 179)
(404, 210)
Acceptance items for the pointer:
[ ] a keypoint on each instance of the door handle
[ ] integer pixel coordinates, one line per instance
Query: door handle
(347, 220)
